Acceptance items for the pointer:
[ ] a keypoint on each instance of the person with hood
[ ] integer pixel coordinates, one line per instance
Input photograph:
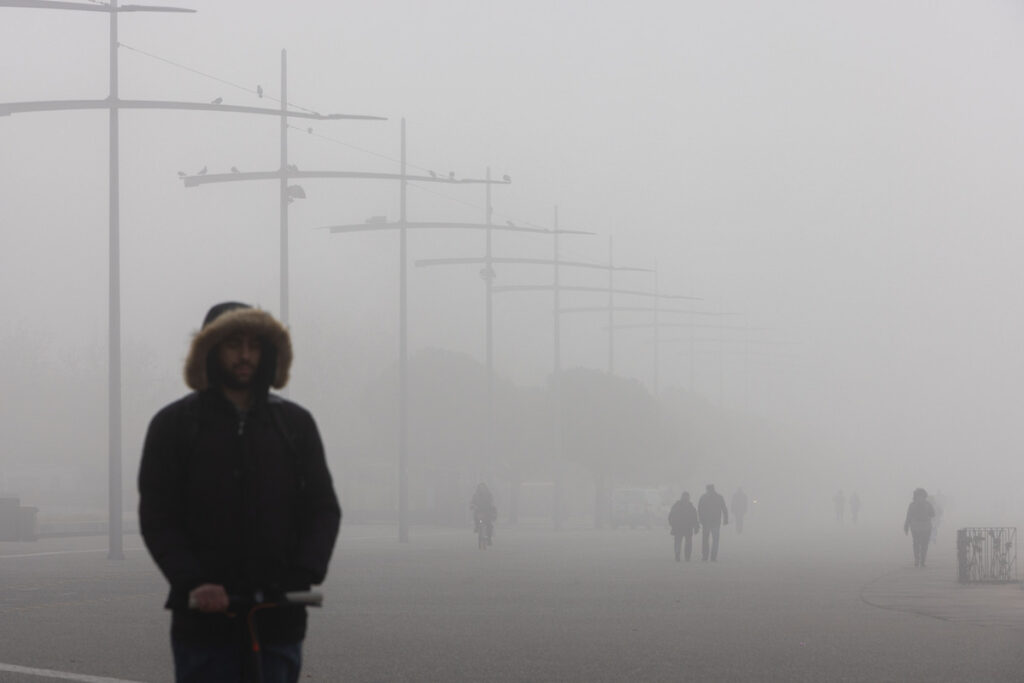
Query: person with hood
(682, 520)
(235, 498)
(712, 514)
(919, 524)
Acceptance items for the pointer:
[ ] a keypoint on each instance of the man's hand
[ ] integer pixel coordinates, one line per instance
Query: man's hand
(209, 597)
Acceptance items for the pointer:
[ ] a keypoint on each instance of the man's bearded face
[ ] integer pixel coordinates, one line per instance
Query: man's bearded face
(239, 358)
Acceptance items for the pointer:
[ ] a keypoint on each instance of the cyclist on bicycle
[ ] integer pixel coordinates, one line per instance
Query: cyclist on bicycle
(484, 511)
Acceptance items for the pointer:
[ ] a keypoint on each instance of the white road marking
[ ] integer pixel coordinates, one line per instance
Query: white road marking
(64, 675)
(56, 552)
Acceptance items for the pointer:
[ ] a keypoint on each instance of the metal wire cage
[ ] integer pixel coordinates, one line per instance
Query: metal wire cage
(986, 554)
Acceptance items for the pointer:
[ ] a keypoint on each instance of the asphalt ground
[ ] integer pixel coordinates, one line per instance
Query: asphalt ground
(575, 605)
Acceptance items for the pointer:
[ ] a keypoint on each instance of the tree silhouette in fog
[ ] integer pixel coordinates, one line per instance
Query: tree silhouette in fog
(616, 433)
(447, 429)
(611, 428)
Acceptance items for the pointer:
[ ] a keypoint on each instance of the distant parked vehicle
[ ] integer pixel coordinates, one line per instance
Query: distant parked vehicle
(637, 507)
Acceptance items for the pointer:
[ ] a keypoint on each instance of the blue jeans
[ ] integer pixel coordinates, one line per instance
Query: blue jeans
(203, 663)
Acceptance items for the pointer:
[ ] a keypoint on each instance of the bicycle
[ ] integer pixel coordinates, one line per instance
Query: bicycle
(484, 532)
(250, 605)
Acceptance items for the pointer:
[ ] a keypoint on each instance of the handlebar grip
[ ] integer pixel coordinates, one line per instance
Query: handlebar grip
(308, 598)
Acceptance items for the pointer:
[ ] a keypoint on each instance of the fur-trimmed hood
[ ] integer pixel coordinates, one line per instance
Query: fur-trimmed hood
(233, 319)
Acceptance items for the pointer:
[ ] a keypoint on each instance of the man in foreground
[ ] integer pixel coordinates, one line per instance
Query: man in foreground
(235, 497)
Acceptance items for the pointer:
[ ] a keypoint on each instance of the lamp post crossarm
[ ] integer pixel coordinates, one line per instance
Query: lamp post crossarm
(647, 309)
(195, 180)
(575, 288)
(566, 288)
(531, 261)
(82, 7)
(652, 295)
(441, 225)
(208, 179)
(599, 266)
(559, 231)
(527, 288)
(151, 8)
(451, 261)
(8, 108)
(709, 326)
(506, 260)
(721, 340)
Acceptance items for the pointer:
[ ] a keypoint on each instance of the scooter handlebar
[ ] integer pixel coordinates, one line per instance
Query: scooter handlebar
(293, 598)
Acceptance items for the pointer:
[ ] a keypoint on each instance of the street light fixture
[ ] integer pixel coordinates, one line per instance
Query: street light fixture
(403, 225)
(113, 103)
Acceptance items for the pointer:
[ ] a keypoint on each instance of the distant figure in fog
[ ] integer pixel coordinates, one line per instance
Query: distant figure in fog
(854, 507)
(684, 524)
(712, 513)
(919, 524)
(484, 510)
(739, 508)
(840, 503)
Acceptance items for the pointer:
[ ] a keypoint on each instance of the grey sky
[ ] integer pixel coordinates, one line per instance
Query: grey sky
(846, 174)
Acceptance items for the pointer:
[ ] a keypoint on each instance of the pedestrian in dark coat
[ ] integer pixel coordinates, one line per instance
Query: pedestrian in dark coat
(235, 497)
(682, 519)
(919, 524)
(712, 513)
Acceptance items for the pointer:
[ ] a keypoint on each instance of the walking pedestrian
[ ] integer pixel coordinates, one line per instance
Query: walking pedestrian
(919, 525)
(712, 513)
(683, 523)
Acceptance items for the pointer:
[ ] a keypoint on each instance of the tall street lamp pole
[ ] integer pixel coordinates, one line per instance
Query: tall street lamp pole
(286, 193)
(114, 104)
(487, 273)
(115, 514)
(403, 226)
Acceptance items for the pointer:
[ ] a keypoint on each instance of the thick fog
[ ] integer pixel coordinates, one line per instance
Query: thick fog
(839, 182)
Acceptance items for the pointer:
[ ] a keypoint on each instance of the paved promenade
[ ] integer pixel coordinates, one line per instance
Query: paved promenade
(933, 592)
(579, 605)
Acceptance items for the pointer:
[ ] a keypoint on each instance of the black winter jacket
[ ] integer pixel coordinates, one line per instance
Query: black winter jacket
(919, 517)
(711, 509)
(245, 501)
(682, 518)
